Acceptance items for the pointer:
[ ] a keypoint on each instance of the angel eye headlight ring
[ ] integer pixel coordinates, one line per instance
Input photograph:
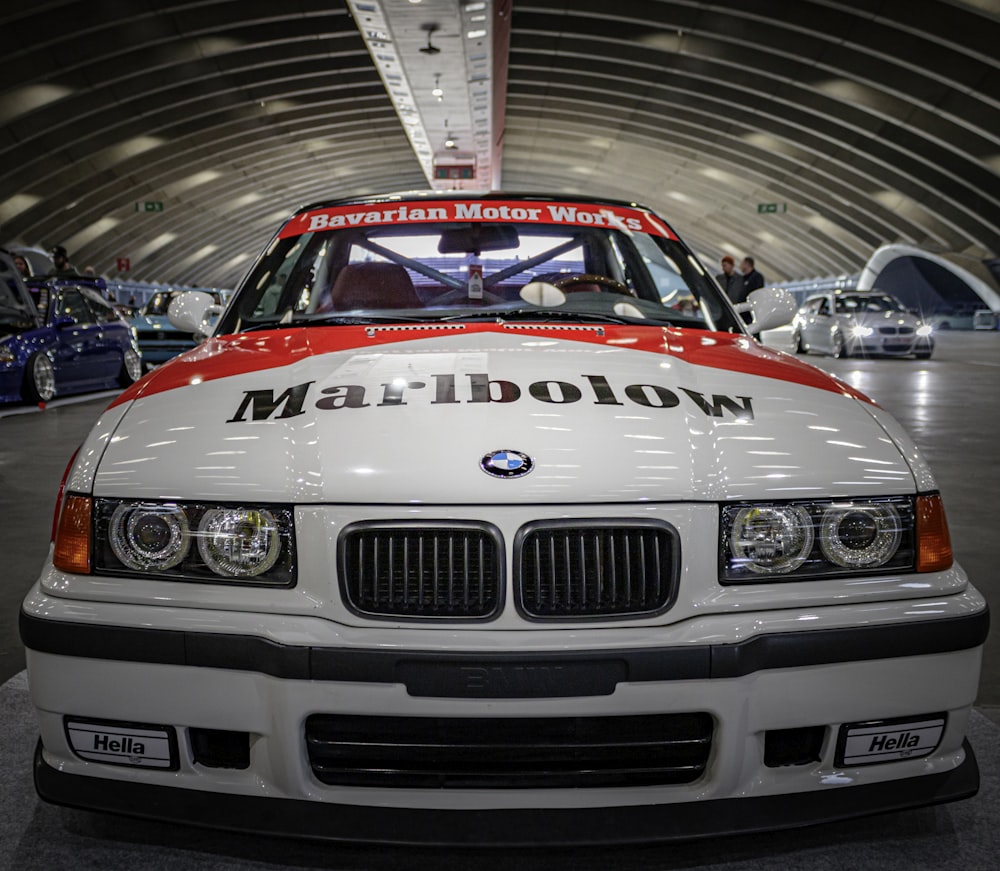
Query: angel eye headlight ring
(771, 539)
(239, 542)
(860, 536)
(149, 537)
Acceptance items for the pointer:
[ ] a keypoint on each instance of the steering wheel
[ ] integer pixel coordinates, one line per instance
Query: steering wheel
(585, 282)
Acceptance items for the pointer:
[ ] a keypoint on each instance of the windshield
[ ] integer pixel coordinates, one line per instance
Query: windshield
(418, 262)
(158, 304)
(858, 304)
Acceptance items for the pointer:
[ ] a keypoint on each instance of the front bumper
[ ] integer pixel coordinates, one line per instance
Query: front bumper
(266, 689)
(889, 346)
(11, 379)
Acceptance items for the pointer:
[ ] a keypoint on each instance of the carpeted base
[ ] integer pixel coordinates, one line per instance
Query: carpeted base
(34, 835)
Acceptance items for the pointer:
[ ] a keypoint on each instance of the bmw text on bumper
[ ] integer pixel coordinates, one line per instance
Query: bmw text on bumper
(485, 520)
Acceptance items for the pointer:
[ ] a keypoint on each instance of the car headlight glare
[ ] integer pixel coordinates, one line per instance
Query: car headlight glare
(239, 542)
(772, 539)
(924, 330)
(820, 538)
(860, 332)
(149, 537)
(860, 537)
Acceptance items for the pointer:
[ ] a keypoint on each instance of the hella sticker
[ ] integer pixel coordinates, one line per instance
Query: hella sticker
(889, 740)
(506, 464)
(123, 743)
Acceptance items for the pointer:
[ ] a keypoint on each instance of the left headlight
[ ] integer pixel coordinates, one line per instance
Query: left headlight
(800, 540)
(924, 330)
(186, 541)
(859, 331)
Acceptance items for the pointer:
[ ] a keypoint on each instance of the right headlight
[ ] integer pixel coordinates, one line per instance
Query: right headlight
(775, 541)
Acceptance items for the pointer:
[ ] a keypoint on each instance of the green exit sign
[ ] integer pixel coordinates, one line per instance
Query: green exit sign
(149, 206)
(771, 208)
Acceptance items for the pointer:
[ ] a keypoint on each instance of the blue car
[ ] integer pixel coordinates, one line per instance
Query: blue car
(58, 335)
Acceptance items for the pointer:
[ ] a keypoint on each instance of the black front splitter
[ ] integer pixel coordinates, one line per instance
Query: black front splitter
(499, 827)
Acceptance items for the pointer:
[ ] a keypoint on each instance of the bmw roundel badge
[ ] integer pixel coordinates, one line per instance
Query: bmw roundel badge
(506, 464)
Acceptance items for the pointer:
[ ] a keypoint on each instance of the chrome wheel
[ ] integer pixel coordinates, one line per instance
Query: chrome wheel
(838, 345)
(39, 379)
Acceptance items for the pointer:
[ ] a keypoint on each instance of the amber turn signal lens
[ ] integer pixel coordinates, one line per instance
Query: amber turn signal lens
(59, 496)
(72, 548)
(933, 541)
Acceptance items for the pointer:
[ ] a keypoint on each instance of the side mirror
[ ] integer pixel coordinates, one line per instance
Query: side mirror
(189, 312)
(771, 307)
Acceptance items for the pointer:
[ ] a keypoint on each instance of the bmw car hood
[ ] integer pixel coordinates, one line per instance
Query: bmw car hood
(408, 414)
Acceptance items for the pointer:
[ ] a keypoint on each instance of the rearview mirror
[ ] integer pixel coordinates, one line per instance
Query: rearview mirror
(477, 238)
(771, 307)
(189, 312)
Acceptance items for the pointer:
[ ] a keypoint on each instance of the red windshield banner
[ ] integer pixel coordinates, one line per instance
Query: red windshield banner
(456, 211)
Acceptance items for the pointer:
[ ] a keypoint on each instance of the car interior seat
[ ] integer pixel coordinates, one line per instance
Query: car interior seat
(371, 286)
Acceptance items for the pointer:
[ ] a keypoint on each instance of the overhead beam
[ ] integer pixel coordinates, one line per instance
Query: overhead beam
(444, 69)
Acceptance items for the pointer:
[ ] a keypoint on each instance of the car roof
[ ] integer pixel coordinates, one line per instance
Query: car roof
(439, 196)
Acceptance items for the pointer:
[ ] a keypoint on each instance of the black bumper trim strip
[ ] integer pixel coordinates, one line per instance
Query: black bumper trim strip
(500, 827)
(826, 646)
(251, 653)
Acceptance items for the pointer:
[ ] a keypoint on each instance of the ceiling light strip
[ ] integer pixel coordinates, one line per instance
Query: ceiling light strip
(373, 25)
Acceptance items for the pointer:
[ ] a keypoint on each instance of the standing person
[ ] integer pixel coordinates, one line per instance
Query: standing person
(752, 279)
(61, 260)
(730, 280)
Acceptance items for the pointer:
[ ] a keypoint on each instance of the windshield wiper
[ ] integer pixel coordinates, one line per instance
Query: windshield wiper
(344, 320)
(360, 320)
(541, 314)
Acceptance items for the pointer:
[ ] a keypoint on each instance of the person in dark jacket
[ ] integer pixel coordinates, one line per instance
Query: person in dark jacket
(60, 258)
(730, 280)
(752, 279)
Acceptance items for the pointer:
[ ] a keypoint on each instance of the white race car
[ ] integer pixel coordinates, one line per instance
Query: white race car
(484, 519)
(865, 323)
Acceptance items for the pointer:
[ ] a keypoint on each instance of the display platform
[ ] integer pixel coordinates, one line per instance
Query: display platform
(35, 835)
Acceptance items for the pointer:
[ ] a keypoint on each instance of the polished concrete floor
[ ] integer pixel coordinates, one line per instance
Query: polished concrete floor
(949, 404)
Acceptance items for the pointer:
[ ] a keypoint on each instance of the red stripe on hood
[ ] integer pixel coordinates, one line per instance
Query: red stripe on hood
(237, 354)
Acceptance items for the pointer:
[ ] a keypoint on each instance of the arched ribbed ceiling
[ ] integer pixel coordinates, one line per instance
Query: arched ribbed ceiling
(866, 121)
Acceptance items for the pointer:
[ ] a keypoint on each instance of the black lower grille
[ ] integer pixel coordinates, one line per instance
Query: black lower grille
(595, 568)
(413, 570)
(425, 752)
(165, 336)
